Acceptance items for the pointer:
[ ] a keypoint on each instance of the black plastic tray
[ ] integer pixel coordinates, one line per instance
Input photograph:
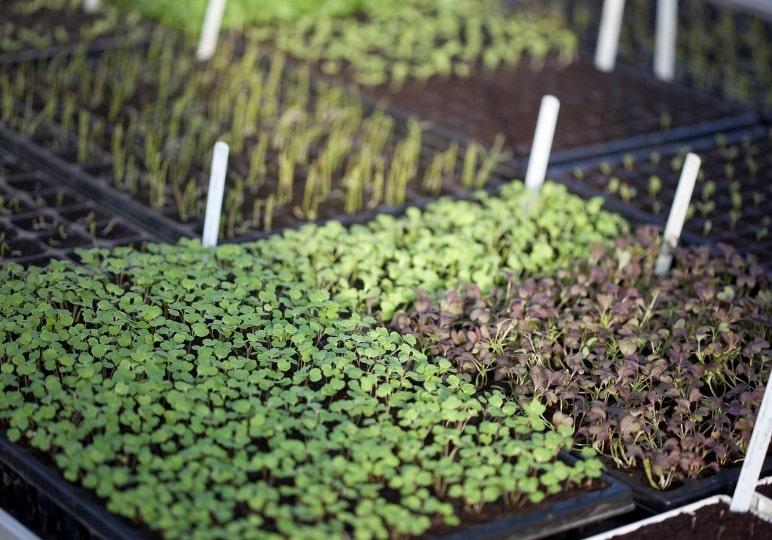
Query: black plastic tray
(121, 204)
(37, 495)
(604, 121)
(167, 229)
(555, 518)
(741, 118)
(90, 49)
(692, 490)
(640, 56)
(638, 209)
(50, 221)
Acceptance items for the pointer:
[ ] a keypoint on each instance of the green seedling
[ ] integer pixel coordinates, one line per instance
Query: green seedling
(613, 185)
(627, 192)
(628, 160)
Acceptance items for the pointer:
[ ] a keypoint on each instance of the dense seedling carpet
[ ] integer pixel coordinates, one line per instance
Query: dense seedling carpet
(300, 150)
(376, 267)
(204, 399)
(376, 42)
(662, 375)
(209, 393)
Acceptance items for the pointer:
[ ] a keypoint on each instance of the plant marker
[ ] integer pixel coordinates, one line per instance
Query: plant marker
(91, 6)
(675, 221)
(542, 143)
(665, 45)
(745, 494)
(210, 30)
(608, 36)
(215, 194)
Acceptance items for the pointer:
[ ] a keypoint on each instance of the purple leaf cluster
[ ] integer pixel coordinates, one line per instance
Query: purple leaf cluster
(662, 375)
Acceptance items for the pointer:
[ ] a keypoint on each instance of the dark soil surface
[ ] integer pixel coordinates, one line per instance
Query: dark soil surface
(707, 523)
(740, 72)
(595, 107)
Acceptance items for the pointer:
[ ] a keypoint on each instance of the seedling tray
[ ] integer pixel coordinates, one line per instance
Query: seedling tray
(37, 496)
(735, 525)
(736, 211)
(46, 33)
(555, 518)
(161, 225)
(105, 198)
(621, 531)
(702, 63)
(94, 178)
(35, 493)
(90, 49)
(600, 113)
(737, 71)
(655, 501)
(42, 220)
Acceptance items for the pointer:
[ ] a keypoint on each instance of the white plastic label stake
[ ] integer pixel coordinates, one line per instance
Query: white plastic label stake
(675, 221)
(215, 194)
(754, 457)
(210, 30)
(542, 142)
(665, 43)
(91, 6)
(608, 36)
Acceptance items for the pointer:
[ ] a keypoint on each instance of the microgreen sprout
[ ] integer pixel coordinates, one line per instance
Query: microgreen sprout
(298, 146)
(258, 404)
(587, 335)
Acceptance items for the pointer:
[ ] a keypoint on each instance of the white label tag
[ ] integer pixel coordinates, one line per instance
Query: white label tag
(665, 43)
(608, 35)
(675, 222)
(215, 194)
(91, 6)
(754, 457)
(542, 143)
(210, 30)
